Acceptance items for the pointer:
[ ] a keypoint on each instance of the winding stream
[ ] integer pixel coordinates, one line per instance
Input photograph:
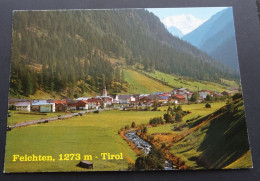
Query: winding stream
(145, 146)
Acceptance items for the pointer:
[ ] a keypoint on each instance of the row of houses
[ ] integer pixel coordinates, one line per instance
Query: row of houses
(177, 96)
(57, 105)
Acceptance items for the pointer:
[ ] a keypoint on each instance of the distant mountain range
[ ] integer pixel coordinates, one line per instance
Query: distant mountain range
(217, 38)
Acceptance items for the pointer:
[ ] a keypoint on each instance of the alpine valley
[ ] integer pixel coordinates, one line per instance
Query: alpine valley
(76, 53)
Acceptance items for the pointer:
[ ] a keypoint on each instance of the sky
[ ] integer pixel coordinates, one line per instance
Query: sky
(185, 19)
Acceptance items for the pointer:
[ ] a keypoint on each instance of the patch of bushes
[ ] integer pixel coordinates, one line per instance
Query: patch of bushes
(168, 118)
(153, 161)
(133, 125)
(156, 120)
(178, 117)
(208, 105)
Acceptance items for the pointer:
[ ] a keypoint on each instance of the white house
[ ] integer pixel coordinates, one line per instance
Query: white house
(48, 107)
(115, 99)
(107, 100)
(23, 106)
(94, 103)
(180, 91)
(187, 95)
(43, 106)
(204, 93)
(126, 99)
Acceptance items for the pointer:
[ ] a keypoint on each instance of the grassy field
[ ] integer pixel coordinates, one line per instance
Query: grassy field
(177, 81)
(18, 118)
(140, 84)
(195, 109)
(91, 134)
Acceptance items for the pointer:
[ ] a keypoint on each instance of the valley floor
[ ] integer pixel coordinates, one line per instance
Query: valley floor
(93, 134)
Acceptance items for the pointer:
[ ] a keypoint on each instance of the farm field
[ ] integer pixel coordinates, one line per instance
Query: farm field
(140, 84)
(179, 82)
(18, 118)
(91, 134)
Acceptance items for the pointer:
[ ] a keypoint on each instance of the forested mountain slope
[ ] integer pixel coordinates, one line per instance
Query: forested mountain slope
(71, 51)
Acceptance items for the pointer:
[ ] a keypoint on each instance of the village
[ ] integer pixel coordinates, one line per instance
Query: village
(176, 96)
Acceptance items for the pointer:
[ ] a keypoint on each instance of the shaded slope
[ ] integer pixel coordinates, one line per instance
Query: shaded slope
(218, 140)
(226, 140)
(246, 159)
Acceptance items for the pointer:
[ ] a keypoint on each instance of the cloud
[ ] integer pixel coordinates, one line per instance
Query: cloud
(186, 23)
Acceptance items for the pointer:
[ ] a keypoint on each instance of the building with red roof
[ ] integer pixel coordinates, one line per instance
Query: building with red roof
(180, 98)
(94, 103)
(82, 104)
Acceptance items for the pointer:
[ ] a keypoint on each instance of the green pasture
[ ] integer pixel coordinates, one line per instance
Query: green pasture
(140, 84)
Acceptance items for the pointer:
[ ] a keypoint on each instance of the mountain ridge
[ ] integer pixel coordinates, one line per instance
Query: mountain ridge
(175, 31)
(217, 32)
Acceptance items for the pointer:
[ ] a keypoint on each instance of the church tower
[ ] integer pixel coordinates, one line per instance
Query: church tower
(104, 92)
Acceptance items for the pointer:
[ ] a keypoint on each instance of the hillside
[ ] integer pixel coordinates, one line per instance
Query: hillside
(218, 140)
(79, 52)
(193, 85)
(140, 84)
(217, 38)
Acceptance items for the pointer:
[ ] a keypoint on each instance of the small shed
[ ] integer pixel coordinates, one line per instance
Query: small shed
(23, 106)
(85, 164)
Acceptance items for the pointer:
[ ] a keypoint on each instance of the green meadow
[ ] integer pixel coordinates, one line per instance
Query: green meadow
(18, 118)
(179, 82)
(91, 134)
(140, 84)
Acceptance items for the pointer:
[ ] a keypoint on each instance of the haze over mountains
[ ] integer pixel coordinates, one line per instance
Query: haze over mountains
(217, 38)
